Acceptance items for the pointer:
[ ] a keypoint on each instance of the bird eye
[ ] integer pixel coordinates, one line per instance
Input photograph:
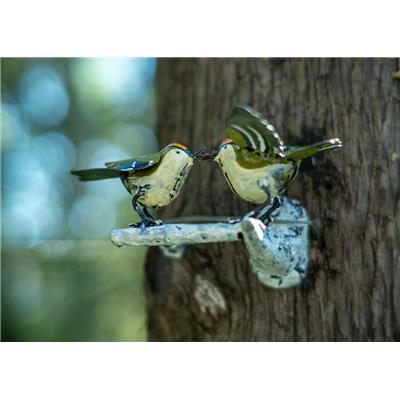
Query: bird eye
(178, 152)
(225, 147)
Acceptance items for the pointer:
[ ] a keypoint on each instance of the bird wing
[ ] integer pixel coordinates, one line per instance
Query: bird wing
(299, 152)
(135, 164)
(250, 130)
(96, 174)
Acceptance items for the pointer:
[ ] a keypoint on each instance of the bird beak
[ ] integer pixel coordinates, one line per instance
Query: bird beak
(209, 155)
(198, 154)
(206, 155)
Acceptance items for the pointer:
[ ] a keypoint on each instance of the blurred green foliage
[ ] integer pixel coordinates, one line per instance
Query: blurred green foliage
(62, 279)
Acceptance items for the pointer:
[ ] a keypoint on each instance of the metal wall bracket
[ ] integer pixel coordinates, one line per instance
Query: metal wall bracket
(278, 253)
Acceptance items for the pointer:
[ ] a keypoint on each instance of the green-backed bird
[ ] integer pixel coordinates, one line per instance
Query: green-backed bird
(154, 180)
(256, 164)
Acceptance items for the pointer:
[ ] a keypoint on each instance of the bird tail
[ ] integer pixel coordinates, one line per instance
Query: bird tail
(298, 153)
(96, 174)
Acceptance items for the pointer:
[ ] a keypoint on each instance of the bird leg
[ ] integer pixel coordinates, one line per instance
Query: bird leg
(265, 212)
(146, 218)
(150, 217)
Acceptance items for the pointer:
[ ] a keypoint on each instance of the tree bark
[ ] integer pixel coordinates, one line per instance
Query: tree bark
(352, 292)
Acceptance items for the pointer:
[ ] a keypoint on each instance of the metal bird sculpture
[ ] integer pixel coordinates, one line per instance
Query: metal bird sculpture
(256, 164)
(154, 180)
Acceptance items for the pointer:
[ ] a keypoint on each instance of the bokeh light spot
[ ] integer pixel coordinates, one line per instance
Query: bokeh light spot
(14, 129)
(114, 81)
(43, 96)
(92, 217)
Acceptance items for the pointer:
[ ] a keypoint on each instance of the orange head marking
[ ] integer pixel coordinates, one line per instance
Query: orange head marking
(181, 146)
(227, 140)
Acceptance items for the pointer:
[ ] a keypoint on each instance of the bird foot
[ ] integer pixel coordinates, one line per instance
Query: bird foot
(267, 221)
(252, 214)
(234, 220)
(145, 224)
(135, 225)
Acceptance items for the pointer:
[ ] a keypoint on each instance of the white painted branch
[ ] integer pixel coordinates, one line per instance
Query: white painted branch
(176, 234)
(278, 253)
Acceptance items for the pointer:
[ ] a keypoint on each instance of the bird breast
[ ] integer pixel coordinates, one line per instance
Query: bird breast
(165, 183)
(255, 185)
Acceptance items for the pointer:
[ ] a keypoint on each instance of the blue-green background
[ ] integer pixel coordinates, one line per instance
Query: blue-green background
(62, 279)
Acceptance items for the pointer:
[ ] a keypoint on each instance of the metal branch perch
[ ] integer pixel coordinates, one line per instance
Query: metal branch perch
(278, 253)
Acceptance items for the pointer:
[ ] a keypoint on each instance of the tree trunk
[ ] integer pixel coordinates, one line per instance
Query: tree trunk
(352, 292)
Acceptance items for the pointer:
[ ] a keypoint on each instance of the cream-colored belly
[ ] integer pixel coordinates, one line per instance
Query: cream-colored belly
(256, 185)
(253, 185)
(164, 185)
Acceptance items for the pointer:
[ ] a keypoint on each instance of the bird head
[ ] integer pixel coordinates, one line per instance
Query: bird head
(181, 147)
(226, 144)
